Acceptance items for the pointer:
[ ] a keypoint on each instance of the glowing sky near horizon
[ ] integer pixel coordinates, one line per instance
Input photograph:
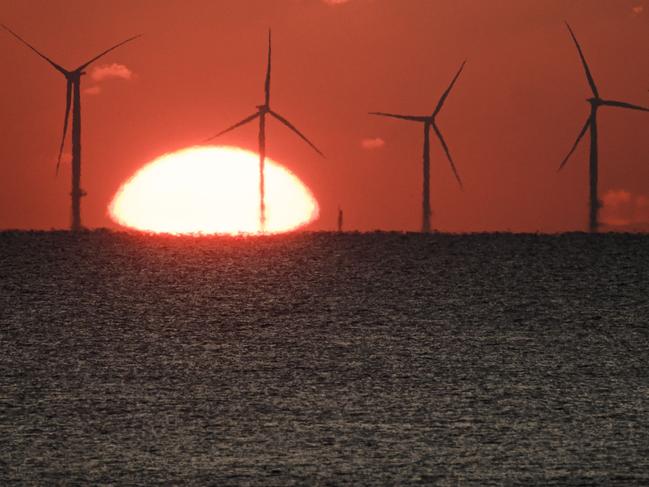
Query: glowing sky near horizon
(212, 190)
(200, 66)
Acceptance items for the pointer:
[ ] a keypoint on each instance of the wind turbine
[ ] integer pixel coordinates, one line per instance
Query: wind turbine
(591, 123)
(72, 101)
(429, 121)
(262, 111)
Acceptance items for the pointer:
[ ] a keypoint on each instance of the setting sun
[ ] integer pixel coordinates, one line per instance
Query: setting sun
(212, 190)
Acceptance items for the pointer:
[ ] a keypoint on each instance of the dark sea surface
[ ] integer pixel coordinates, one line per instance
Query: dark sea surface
(331, 359)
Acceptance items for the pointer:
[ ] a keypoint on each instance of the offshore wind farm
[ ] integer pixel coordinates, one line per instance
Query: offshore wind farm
(252, 314)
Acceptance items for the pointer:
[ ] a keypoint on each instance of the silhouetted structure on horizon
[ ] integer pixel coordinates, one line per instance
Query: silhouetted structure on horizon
(591, 123)
(429, 121)
(262, 110)
(72, 100)
(340, 219)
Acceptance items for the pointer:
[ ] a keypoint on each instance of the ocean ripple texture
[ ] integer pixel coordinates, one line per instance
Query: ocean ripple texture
(324, 359)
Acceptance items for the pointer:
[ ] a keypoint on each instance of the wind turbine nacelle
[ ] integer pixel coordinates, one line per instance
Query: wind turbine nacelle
(74, 75)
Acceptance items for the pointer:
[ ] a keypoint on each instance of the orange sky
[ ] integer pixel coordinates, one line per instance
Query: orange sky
(510, 120)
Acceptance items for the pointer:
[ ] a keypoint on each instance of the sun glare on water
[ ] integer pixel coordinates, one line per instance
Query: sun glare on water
(212, 190)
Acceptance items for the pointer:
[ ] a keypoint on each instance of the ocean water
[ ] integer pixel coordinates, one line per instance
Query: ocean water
(324, 359)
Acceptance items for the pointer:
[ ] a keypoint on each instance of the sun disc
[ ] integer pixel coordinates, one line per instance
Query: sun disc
(212, 190)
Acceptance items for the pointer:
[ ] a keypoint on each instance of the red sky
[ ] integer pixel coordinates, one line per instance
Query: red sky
(510, 120)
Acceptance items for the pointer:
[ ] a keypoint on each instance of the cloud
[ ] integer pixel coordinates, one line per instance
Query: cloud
(616, 198)
(638, 9)
(335, 2)
(621, 208)
(93, 90)
(370, 144)
(105, 72)
(109, 71)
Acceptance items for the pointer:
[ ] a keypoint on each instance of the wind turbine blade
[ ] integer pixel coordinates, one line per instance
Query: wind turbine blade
(68, 99)
(591, 81)
(448, 90)
(107, 51)
(236, 125)
(448, 154)
(579, 137)
(56, 66)
(292, 127)
(267, 86)
(411, 118)
(621, 104)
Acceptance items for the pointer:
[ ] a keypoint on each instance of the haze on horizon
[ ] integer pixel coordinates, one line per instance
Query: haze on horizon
(510, 120)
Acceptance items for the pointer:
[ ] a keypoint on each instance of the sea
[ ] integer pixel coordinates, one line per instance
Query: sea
(324, 359)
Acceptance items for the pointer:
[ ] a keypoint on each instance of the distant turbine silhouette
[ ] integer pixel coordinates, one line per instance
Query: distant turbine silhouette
(429, 121)
(262, 110)
(591, 123)
(72, 100)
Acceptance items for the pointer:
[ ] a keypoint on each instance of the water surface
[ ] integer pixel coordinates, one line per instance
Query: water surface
(324, 359)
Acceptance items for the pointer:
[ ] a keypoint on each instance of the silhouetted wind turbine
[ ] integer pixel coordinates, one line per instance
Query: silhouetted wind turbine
(429, 121)
(262, 110)
(591, 123)
(72, 101)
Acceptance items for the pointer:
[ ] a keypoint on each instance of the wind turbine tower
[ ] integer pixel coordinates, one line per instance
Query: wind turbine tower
(262, 111)
(591, 125)
(428, 122)
(72, 101)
